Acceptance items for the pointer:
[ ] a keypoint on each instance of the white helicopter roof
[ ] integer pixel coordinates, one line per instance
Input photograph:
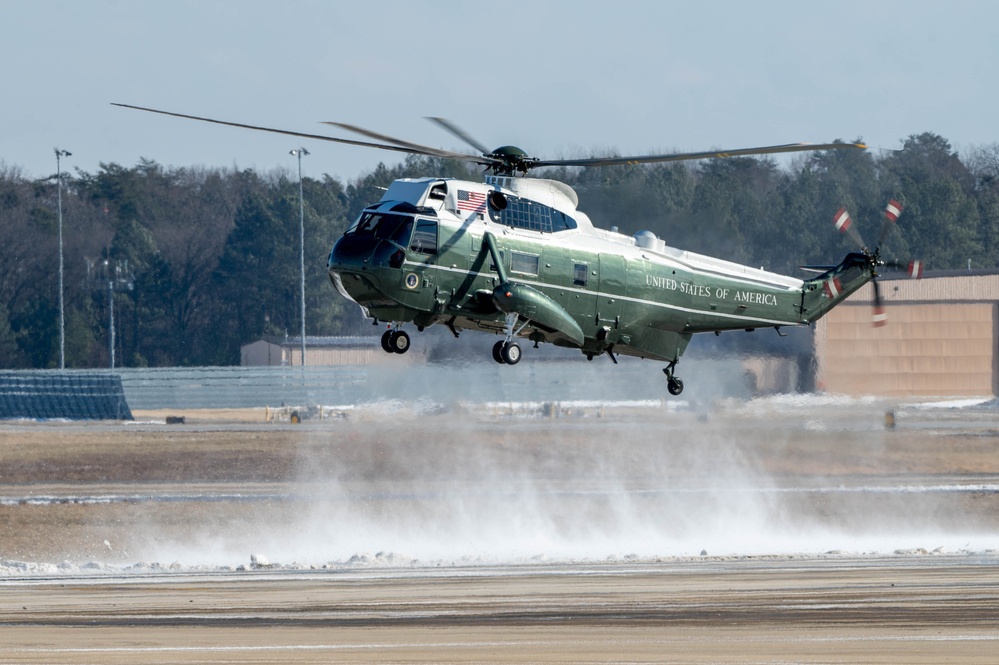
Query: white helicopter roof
(552, 193)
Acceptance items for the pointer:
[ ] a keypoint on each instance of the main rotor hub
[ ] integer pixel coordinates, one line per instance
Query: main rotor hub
(511, 159)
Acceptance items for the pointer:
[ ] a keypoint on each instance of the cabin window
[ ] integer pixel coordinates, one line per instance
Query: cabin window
(526, 214)
(425, 237)
(524, 263)
(579, 272)
(561, 221)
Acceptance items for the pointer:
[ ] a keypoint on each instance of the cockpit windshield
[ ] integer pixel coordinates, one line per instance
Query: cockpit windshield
(397, 228)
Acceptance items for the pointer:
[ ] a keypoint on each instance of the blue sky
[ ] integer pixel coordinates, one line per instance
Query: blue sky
(557, 78)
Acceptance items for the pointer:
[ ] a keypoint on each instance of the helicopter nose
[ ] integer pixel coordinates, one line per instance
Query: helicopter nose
(349, 254)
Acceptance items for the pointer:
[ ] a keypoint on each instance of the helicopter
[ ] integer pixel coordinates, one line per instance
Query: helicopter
(514, 256)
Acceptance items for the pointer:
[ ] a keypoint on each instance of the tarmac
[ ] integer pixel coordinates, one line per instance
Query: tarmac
(785, 530)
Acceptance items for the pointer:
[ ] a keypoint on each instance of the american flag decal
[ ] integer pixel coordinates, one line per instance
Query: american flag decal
(471, 201)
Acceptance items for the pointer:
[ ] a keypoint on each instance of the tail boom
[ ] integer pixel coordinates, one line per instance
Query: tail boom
(822, 293)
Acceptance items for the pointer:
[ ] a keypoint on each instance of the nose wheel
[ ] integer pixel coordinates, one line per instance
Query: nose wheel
(395, 341)
(506, 351)
(673, 383)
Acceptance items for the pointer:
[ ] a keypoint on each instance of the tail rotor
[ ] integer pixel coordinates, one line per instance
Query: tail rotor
(844, 224)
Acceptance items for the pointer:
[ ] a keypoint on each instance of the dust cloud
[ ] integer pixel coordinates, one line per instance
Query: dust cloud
(421, 484)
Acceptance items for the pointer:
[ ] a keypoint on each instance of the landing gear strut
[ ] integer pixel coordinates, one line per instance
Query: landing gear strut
(395, 341)
(507, 351)
(673, 383)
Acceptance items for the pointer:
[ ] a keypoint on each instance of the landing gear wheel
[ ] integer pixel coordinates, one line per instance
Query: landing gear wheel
(386, 343)
(511, 353)
(399, 341)
(498, 351)
(674, 385)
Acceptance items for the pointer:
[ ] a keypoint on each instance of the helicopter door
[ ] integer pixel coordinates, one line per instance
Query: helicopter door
(419, 278)
(613, 280)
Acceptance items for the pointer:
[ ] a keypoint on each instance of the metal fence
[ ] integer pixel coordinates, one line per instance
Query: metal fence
(475, 382)
(237, 387)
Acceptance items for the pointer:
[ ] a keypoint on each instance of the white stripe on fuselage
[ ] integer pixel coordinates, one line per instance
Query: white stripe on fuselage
(596, 245)
(640, 301)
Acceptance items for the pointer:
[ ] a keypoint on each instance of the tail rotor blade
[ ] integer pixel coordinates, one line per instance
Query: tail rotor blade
(879, 318)
(914, 267)
(843, 224)
(892, 212)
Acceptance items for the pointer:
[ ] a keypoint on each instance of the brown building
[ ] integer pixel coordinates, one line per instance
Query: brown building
(287, 351)
(940, 340)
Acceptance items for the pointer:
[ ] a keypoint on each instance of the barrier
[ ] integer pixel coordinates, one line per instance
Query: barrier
(78, 394)
(70, 395)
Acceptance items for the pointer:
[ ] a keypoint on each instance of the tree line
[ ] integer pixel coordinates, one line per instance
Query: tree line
(200, 261)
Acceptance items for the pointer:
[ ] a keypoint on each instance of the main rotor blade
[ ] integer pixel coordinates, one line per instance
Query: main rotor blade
(683, 156)
(320, 137)
(460, 133)
(423, 149)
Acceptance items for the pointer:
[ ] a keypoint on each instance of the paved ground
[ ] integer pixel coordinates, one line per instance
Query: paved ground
(759, 533)
(783, 611)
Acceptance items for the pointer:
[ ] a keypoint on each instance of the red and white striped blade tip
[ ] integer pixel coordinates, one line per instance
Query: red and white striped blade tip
(915, 269)
(880, 318)
(893, 210)
(842, 220)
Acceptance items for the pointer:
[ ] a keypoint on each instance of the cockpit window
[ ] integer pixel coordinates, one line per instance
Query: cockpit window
(425, 237)
(383, 227)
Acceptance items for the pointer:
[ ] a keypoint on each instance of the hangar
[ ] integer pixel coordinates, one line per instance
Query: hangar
(940, 340)
(287, 351)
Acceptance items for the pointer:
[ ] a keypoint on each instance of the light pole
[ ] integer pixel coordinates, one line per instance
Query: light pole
(301, 238)
(116, 272)
(62, 317)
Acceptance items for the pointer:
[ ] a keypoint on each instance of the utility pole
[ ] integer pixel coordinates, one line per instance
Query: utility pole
(62, 311)
(301, 238)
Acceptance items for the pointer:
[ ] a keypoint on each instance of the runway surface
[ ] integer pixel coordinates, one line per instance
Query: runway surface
(773, 531)
(743, 611)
